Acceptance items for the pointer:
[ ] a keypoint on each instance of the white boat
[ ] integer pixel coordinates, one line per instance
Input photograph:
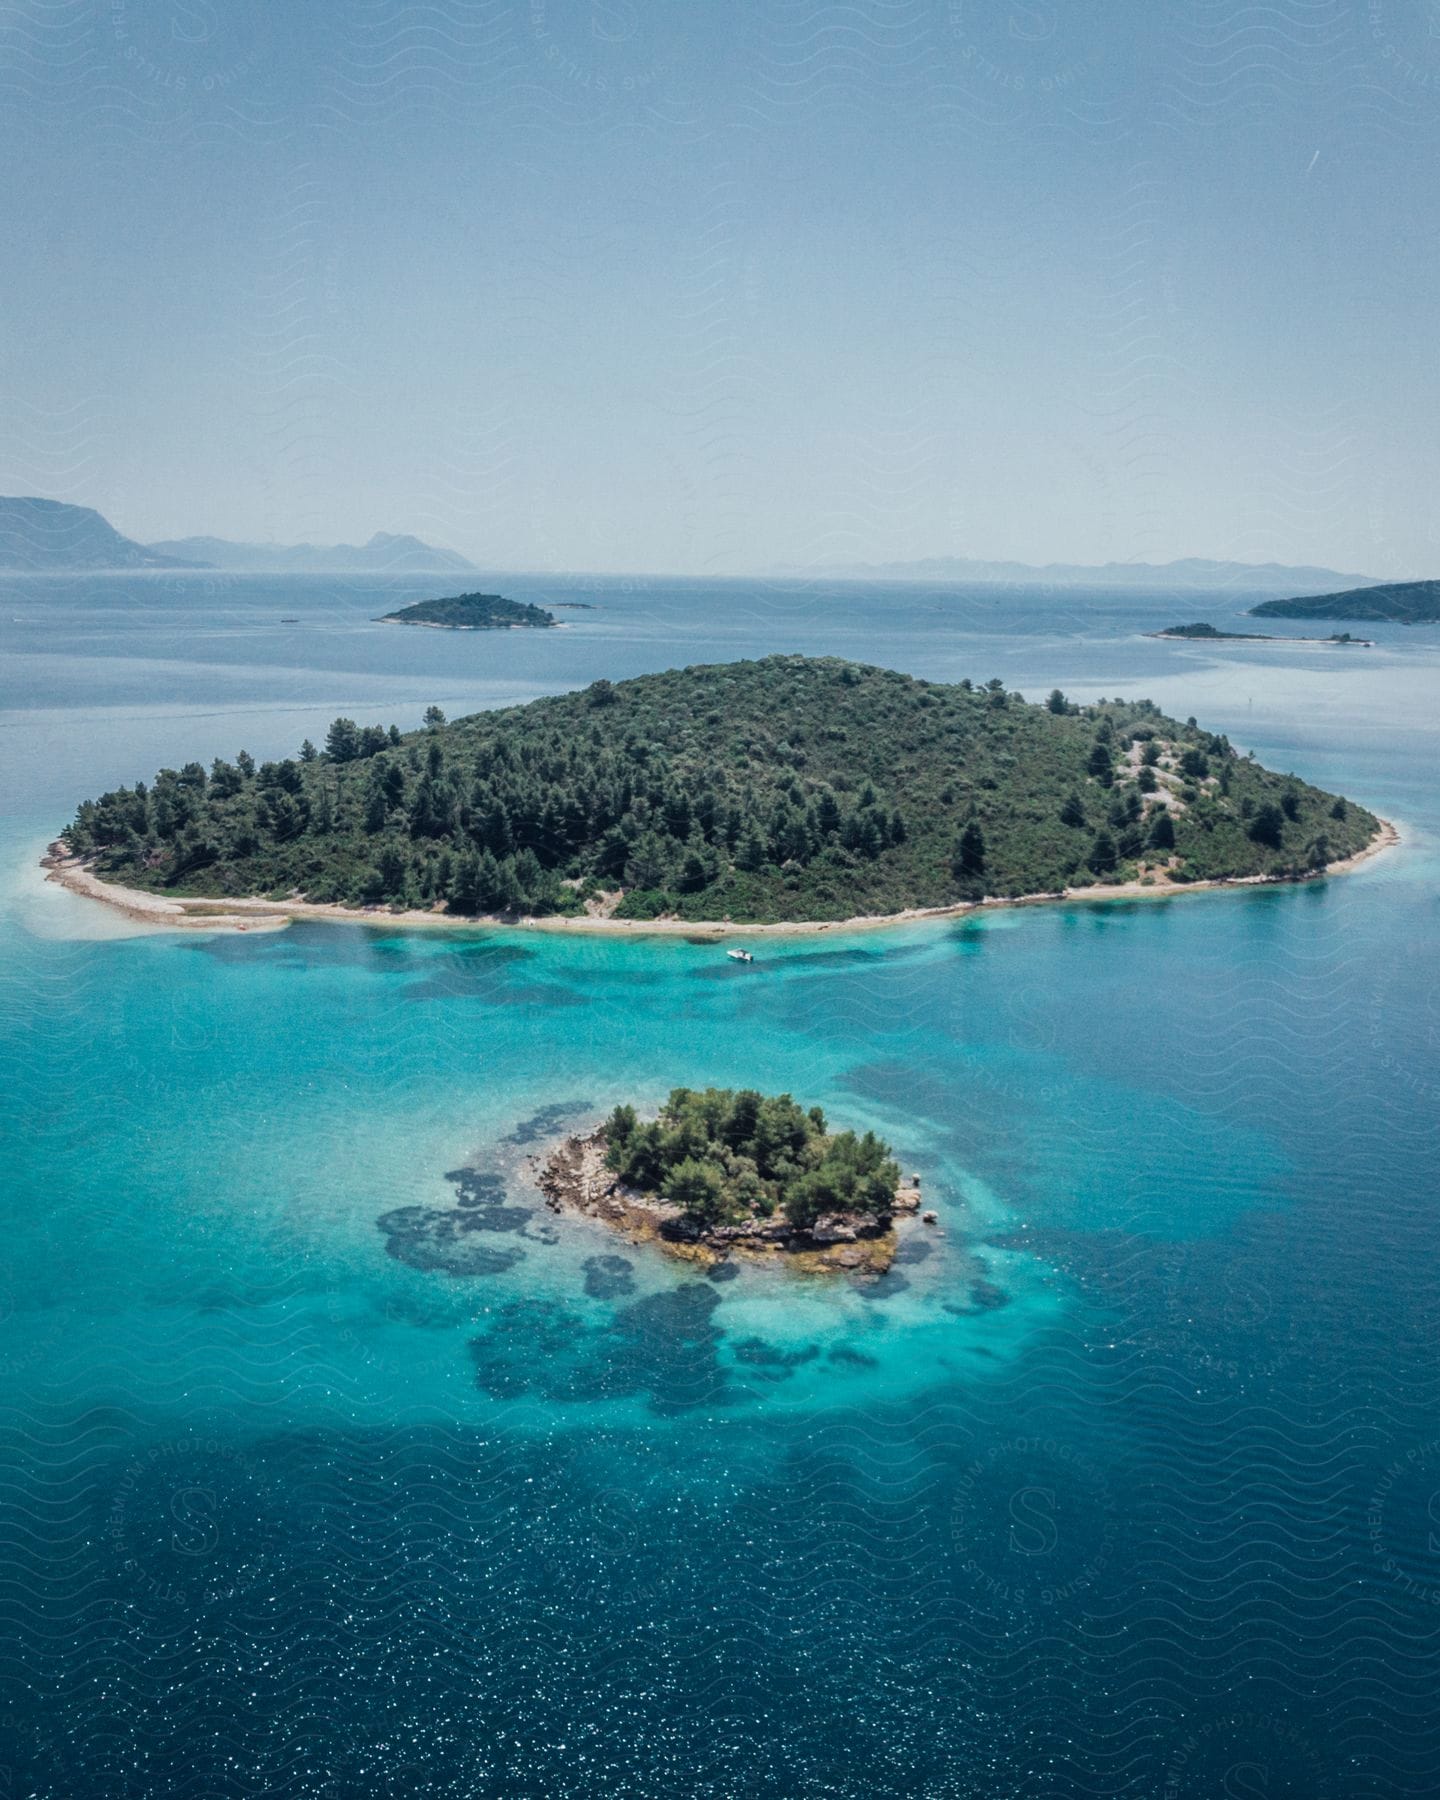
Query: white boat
(740, 956)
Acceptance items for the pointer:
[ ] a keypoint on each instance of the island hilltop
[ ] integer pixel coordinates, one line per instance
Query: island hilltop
(472, 612)
(721, 1171)
(1394, 603)
(793, 789)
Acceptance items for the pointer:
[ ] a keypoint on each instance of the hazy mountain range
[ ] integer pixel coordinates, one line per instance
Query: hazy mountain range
(39, 535)
(50, 536)
(385, 554)
(1189, 572)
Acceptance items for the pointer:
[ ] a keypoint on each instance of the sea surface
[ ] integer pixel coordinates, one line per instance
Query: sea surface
(335, 1465)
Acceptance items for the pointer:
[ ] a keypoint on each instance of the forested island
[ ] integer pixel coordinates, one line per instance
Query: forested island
(473, 612)
(784, 790)
(1212, 633)
(1393, 603)
(721, 1170)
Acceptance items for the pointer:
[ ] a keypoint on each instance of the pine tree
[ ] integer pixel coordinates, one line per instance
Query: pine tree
(342, 741)
(1103, 853)
(969, 858)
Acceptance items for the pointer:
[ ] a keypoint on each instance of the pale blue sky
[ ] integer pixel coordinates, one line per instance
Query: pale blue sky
(632, 285)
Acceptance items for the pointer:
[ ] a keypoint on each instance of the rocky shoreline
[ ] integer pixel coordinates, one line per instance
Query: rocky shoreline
(574, 1178)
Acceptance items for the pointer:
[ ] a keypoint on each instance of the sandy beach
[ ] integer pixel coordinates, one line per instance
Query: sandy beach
(166, 914)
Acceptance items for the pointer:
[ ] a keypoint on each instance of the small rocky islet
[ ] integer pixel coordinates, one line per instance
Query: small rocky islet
(723, 1172)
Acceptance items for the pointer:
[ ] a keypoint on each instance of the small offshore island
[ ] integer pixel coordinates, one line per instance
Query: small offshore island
(722, 1171)
(1212, 634)
(792, 792)
(473, 612)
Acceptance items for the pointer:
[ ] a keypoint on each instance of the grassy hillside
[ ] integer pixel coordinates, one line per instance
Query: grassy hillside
(790, 788)
(1397, 602)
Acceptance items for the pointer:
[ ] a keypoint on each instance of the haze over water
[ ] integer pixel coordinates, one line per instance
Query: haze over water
(335, 1463)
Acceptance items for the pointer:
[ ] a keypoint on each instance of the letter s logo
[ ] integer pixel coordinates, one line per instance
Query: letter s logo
(193, 21)
(1032, 1522)
(615, 22)
(1033, 24)
(197, 1529)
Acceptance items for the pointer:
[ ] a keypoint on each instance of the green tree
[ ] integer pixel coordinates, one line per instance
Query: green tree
(620, 1128)
(1268, 826)
(342, 741)
(1162, 830)
(1103, 853)
(969, 858)
(1318, 852)
(225, 780)
(464, 893)
(752, 853)
(648, 865)
(392, 872)
(699, 1188)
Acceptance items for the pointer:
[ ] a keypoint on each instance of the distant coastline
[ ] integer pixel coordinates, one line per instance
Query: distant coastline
(1393, 603)
(166, 914)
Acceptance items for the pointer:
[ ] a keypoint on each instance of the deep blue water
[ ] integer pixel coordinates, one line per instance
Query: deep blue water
(336, 1465)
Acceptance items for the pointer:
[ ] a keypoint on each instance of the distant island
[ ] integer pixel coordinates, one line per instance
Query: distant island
(473, 612)
(1393, 603)
(386, 553)
(1213, 633)
(780, 792)
(722, 1171)
(1188, 572)
(50, 537)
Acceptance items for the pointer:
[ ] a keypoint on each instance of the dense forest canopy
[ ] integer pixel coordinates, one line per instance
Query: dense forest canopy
(472, 612)
(790, 788)
(725, 1157)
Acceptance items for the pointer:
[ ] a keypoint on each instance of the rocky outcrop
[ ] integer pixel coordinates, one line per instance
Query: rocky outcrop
(574, 1177)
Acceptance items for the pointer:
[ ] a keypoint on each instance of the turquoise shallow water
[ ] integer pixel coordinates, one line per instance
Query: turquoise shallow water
(336, 1464)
